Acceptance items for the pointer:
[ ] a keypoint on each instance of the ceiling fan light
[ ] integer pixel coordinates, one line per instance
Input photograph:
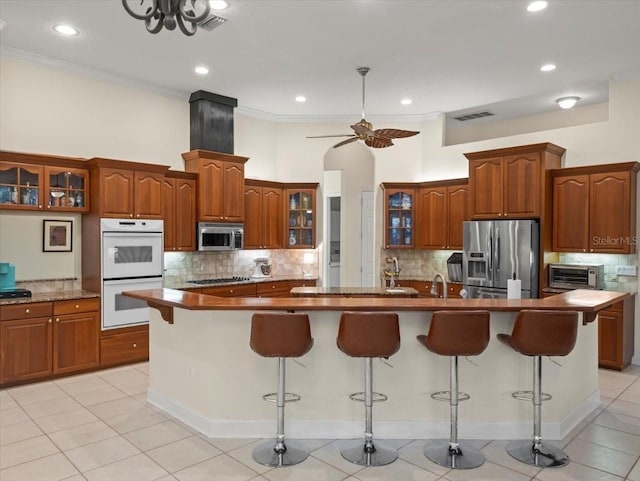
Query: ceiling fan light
(567, 102)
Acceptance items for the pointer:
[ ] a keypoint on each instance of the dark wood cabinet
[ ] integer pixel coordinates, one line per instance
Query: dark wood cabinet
(442, 207)
(126, 189)
(66, 189)
(399, 218)
(264, 210)
(300, 215)
(26, 350)
(220, 185)
(76, 331)
(179, 211)
(511, 183)
(594, 208)
(124, 346)
(237, 290)
(616, 335)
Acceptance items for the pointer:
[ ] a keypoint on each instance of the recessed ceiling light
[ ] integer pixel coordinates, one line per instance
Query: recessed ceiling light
(67, 30)
(301, 98)
(218, 4)
(548, 67)
(537, 6)
(201, 70)
(567, 102)
(2, 24)
(406, 101)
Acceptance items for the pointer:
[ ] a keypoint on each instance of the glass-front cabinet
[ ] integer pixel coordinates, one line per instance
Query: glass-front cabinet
(301, 219)
(67, 189)
(399, 217)
(20, 186)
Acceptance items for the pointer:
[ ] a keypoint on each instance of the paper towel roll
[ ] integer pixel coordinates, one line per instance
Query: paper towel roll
(514, 288)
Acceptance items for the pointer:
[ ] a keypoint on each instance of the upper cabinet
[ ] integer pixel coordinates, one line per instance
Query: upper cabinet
(511, 182)
(263, 213)
(126, 189)
(441, 209)
(43, 182)
(399, 202)
(300, 206)
(220, 185)
(179, 211)
(594, 208)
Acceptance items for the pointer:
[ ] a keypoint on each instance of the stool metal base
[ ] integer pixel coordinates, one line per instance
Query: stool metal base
(381, 455)
(266, 454)
(545, 457)
(466, 457)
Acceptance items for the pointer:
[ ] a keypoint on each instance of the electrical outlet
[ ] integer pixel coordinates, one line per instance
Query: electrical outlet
(626, 270)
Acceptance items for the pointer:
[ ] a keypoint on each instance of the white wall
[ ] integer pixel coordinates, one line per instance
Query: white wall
(47, 110)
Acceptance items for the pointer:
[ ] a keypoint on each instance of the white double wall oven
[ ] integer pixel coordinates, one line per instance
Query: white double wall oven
(132, 259)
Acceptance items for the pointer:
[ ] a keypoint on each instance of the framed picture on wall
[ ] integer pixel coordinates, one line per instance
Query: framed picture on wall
(58, 235)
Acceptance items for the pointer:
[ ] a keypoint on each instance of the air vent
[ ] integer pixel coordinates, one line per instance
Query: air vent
(475, 115)
(211, 22)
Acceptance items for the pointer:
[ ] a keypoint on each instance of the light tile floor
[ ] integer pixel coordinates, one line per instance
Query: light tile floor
(98, 427)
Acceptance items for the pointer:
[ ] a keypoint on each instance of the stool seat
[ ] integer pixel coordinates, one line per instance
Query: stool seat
(539, 333)
(368, 335)
(453, 334)
(282, 336)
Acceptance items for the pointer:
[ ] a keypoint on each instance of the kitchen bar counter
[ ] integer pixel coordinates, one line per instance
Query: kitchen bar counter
(353, 292)
(203, 372)
(50, 297)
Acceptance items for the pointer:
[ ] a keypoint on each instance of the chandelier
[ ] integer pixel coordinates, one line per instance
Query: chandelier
(168, 13)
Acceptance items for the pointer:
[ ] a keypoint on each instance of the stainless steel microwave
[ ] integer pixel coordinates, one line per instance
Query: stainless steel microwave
(220, 237)
(576, 276)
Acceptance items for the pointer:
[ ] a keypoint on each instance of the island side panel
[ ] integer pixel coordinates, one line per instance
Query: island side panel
(204, 372)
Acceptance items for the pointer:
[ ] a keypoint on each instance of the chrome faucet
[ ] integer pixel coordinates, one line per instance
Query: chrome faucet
(393, 272)
(434, 287)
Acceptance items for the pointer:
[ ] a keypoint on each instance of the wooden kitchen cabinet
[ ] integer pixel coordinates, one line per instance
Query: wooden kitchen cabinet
(263, 210)
(399, 203)
(300, 215)
(76, 332)
(236, 290)
(179, 211)
(616, 335)
(124, 346)
(594, 208)
(441, 209)
(26, 349)
(122, 189)
(512, 182)
(220, 185)
(21, 186)
(66, 189)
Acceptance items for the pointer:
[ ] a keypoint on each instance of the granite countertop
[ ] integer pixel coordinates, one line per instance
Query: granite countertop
(251, 280)
(50, 297)
(353, 291)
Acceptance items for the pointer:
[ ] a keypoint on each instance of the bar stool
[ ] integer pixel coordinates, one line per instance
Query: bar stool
(369, 335)
(453, 334)
(281, 336)
(537, 334)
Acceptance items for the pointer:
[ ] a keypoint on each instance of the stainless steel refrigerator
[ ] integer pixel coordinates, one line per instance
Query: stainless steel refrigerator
(495, 251)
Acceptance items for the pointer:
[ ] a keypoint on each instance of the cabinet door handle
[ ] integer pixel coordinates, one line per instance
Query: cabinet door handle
(57, 319)
(499, 214)
(506, 214)
(130, 215)
(27, 311)
(49, 321)
(231, 291)
(77, 306)
(135, 345)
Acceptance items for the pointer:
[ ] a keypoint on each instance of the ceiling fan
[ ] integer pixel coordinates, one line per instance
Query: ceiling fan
(378, 138)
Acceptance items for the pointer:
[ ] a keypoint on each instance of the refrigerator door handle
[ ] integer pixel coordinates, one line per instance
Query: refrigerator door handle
(498, 254)
(490, 257)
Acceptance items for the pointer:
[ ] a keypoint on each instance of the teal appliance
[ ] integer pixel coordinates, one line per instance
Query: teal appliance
(8, 282)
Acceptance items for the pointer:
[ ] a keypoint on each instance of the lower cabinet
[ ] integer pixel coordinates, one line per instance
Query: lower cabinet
(238, 290)
(43, 339)
(257, 289)
(616, 335)
(124, 346)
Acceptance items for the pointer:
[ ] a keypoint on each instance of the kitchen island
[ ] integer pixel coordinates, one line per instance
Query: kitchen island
(203, 372)
(354, 292)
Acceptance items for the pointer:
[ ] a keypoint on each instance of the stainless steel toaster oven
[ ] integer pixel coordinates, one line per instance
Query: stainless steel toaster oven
(576, 276)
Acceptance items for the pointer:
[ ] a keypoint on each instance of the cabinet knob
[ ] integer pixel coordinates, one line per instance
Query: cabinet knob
(137, 215)
(57, 319)
(49, 321)
(27, 311)
(77, 306)
(584, 250)
(231, 291)
(590, 250)
(130, 215)
(48, 207)
(506, 214)
(443, 247)
(273, 287)
(135, 345)
(499, 214)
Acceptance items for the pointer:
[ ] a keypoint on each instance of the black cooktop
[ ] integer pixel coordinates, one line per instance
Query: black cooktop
(14, 293)
(219, 280)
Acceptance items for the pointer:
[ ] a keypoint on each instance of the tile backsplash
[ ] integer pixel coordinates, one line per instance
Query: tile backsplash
(51, 285)
(183, 266)
(612, 281)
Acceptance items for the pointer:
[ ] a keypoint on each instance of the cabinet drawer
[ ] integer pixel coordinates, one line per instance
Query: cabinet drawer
(271, 288)
(293, 284)
(124, 348)
(26, 311)
(243, 290)
(77, 305)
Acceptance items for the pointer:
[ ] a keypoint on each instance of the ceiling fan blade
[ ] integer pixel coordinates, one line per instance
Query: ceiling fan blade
(345, 142)
(327, 136)
(362, 130)
(378, 142)
(394, 133)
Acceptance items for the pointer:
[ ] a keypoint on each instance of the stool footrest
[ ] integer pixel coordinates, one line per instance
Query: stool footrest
(528, 396)
(446, 396)
(289, 397)
(376, 397)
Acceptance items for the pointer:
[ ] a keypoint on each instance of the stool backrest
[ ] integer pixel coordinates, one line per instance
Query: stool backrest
(369, 334)
(545, 333)
(280, 335)
(458, 333)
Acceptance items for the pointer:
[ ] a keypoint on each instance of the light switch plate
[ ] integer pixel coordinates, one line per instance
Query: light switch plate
(626, 270)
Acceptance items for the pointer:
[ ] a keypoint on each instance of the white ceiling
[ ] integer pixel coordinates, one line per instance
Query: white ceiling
(447, 55)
